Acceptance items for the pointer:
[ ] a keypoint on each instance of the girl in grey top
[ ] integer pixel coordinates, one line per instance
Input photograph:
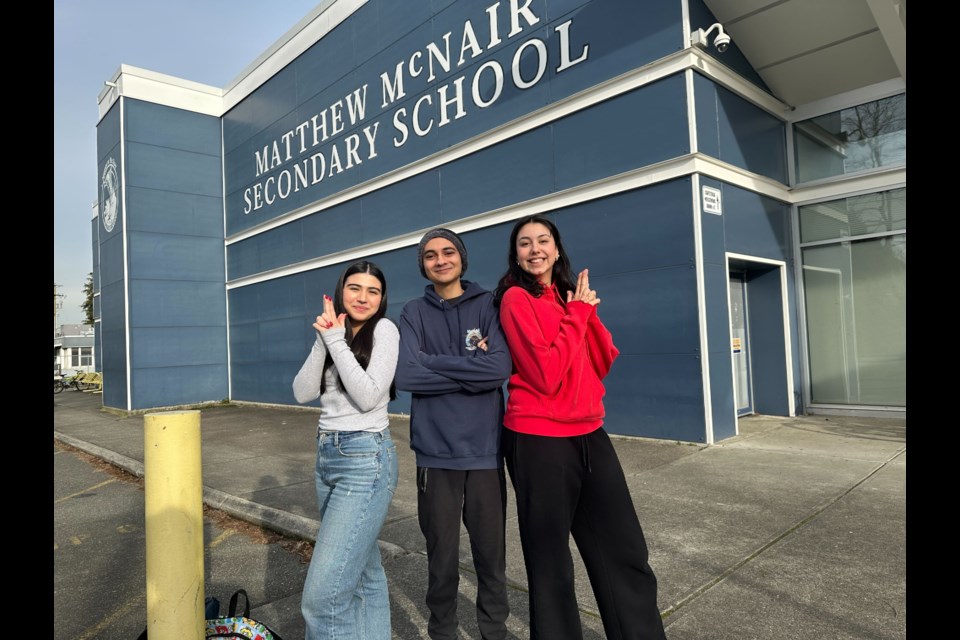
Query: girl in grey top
(350, 368)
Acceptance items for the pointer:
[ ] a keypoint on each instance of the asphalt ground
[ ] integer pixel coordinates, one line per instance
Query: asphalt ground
(794, 529)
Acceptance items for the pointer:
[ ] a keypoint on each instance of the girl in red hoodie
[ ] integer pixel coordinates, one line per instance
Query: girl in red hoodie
(564, 469)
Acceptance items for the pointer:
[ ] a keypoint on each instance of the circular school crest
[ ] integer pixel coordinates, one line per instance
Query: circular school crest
(109, 195)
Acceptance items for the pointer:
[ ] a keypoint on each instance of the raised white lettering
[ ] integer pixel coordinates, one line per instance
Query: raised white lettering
(392, 91)
(497, 83)
(417, 129)
(541, 63)
(565, 62)
(442, 57)
(400, 126)
(371, 139)
(515, 13)
(469, 42)
(457, 98)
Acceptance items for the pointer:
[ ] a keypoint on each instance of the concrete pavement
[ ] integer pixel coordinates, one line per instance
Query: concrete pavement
(796, 528)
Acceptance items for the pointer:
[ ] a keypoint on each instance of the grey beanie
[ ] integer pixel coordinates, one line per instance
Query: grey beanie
(442, 233)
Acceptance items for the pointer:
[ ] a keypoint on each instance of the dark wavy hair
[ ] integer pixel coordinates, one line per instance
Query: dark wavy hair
(361, 344)
(515, 276)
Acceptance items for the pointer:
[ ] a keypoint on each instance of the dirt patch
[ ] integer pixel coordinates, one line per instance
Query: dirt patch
(220, 519)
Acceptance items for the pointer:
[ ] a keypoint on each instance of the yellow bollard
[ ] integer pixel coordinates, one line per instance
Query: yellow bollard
(173, 496)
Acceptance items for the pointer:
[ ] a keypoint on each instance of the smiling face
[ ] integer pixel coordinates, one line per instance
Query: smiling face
(362, 293)
(442, 262)
(537, 251)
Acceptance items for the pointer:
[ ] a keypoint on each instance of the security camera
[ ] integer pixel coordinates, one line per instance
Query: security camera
(701, 37)
(721, 42)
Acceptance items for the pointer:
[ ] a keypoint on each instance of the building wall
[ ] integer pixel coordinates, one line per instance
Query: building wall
(111, 270)
(198, 246)
(382, 36)
(162, 266)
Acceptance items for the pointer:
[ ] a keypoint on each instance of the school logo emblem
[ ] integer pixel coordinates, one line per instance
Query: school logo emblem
(109, 195)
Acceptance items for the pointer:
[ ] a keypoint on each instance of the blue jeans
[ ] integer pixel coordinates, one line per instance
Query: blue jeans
(345, 593)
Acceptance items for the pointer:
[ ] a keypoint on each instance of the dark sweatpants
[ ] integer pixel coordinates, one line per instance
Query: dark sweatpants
(576, 485)
(480, 497)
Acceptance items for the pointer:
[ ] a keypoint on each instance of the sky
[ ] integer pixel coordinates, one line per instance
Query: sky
(206, 41)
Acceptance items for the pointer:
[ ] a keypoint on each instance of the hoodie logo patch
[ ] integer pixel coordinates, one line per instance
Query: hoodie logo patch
(472, 338)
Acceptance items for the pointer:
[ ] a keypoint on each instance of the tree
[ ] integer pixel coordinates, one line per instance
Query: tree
(87, 305)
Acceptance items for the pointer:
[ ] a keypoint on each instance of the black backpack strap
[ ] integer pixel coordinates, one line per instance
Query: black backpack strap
(233, 604)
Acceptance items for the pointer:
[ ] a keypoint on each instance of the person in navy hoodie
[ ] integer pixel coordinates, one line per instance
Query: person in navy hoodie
(454, 361)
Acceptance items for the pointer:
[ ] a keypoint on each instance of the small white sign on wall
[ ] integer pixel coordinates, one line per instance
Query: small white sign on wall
(711, 201)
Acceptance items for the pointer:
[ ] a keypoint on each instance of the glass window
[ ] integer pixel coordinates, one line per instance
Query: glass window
(856, 216)
(86, 356)
(868, 136)
(856, 297)
(74, 357)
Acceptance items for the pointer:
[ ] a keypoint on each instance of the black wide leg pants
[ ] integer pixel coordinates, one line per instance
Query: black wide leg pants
(576, 485)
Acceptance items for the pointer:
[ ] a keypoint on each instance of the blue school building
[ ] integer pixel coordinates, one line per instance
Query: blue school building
(732, 173)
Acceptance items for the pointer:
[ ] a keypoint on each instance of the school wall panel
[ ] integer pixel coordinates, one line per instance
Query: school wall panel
(162, 256)
(244, 343)
(755, 225)
(513, 171)
(631, 130)
(113, 338)
(281, 339)
(645, 228)
(112, 268)
(160, 126)
(332, 230)
(651, 396)
(622, 35)
(243, 305)
(163, 303)
(733, 130)
(172, 170)
(174, 212)
(411, 204)
(108, 136)
(243, 257)
(651, 311)
(245, 381)
(156, 387)
(176, 347)
(282, 247)
(281, 298)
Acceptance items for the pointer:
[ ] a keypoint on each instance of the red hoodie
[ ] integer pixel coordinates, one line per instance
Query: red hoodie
(561, 353)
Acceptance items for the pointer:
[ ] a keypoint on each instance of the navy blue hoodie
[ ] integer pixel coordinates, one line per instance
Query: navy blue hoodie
(456, 412)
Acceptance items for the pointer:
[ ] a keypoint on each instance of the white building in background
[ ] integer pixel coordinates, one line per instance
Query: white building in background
(73, 349)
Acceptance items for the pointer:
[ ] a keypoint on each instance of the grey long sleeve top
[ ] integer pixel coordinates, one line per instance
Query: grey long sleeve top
(364, 405)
